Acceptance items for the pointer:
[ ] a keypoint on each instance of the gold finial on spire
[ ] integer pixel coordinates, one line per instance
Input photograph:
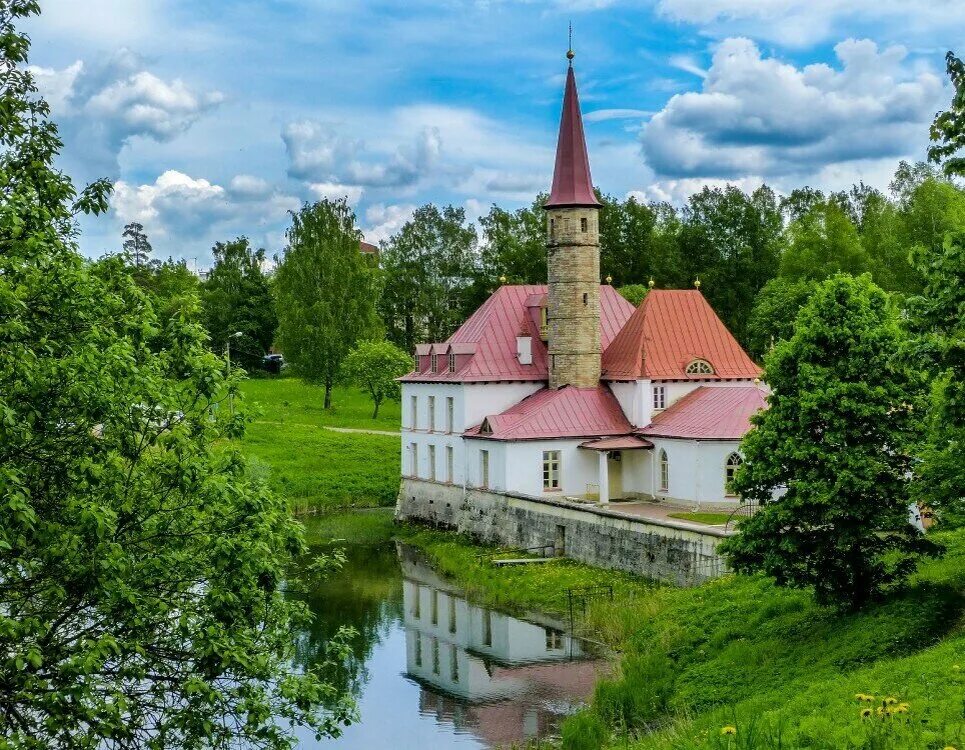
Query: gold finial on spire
(609, 279)
(502, 279)
(651, 283)
(569, 50)
(697, 283)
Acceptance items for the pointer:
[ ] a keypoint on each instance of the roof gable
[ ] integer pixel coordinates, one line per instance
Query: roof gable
(671, 329)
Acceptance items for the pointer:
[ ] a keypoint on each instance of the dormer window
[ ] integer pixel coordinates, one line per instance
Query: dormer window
(485, 428)
(700, 367)
(434, 363)
(415, 362)
(452, 362)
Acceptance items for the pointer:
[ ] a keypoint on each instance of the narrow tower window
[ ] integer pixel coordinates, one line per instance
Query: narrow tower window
(585, 298)
(583, 225)
(552, 227)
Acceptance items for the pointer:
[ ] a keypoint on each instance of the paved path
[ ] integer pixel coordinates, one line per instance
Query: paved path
(367, 432)
(657, 511)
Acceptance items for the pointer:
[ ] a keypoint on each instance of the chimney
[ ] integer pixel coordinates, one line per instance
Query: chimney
(524, 347)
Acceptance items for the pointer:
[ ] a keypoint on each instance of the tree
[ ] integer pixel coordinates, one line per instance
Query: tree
(823, 242)
(137, 247)
(374, 366)
(840, 418)
(325, 292)
(775, 309)
(514, 245)
(140, 563)
(938, 323)
(237, 297)
(428, 272)
(948, 128)
(634, 293)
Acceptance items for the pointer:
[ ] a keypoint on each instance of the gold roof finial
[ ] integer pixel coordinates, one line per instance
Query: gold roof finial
(609, 279)
(651, 283)
(697, 283)
(502, 279)
(570, 54)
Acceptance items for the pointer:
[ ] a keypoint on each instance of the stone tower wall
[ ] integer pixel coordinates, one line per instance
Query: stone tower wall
(574, 296)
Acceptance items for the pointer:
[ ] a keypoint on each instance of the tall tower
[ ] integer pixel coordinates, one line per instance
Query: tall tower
(573, 255)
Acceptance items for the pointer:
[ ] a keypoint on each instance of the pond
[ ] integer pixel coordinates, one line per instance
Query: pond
(430, 669)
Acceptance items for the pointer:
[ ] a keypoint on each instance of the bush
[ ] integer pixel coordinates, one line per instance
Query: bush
(584, 731)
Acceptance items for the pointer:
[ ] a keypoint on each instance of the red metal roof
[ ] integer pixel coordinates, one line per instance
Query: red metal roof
(490, 336)
(572, 184)
(670, 329)
(708, 413)
(568, 412)
(622, 443)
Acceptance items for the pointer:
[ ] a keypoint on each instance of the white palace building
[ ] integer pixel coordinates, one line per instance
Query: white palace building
(567, 392)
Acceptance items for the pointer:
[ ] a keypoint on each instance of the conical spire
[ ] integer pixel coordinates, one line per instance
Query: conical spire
(572, 184)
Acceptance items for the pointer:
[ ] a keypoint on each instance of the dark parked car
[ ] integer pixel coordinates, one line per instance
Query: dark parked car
(273, 363)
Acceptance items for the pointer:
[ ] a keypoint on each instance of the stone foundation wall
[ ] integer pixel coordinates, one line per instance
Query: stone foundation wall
(662, 550)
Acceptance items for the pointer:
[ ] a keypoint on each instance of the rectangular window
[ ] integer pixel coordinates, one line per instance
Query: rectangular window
(551, 470)
(432, 463)
(432, 413)
(487, 628)
(435, 656)
(452, 362)
(454, 663)
(435, 606)
(434, 363)
(659, 397)
(414, 413)
(583, 225)
(416, 364)
(452, 614)
(449, 463)
(484, 468)
(418, 650)
(554, 639)
(416, 604)
(414, 458)
(450, 414)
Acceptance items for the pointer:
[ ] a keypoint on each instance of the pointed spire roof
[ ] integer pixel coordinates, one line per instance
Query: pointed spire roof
(572, 184)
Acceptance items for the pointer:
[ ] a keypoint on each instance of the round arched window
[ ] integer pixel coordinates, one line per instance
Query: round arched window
(700, 367)
(730, 469)
(664, 471)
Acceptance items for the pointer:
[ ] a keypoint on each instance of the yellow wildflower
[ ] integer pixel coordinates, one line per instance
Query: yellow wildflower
(728, 730)
(948, 747)
(902, 708)
(865, 713)
(889, 701)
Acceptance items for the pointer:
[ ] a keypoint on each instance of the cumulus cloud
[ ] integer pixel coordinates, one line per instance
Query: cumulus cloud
(601, 115)
(333, 190)
(761, 116)
(382, 221)
(320, 152)
(106, 104)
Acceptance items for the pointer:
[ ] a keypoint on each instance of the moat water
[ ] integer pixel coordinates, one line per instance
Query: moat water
(431, 669)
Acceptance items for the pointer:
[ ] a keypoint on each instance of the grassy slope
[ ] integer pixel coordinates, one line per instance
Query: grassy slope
(317, 468)
(741, 652)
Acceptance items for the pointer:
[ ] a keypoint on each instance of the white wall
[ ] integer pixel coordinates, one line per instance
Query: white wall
(523, 465)
(697, 470)
(636, 400)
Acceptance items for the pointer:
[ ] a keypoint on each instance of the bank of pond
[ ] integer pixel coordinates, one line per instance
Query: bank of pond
(562, 653)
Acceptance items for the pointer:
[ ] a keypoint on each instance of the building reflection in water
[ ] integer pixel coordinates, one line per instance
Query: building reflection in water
(498, 677)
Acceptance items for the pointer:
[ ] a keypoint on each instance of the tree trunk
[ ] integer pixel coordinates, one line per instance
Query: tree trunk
(328, 393)
(375, 414)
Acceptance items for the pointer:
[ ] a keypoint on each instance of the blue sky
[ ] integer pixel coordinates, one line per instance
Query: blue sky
(215, 118)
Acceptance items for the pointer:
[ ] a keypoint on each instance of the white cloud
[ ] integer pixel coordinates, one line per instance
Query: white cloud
(382, 221)
(678, 191)
(687, 64)
(601, 115)
(760, 116)
(334, 190)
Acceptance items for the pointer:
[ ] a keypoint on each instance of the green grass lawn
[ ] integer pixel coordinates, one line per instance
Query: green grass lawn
(711, 519)
(292, 401)
(315, 468)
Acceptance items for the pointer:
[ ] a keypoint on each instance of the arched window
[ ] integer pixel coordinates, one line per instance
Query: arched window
(700, 367)
(664, 471)
(730, 469)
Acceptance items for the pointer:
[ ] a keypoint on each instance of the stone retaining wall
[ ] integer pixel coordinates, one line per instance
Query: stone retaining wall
(604, 537)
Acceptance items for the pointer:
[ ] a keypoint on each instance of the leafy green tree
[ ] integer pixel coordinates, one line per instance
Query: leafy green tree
(237, 298)
(428, 273)
(823, 242)
(140, 564)
(800, 201)
(883, 239)
(634, 293)
(374, 366)
(514, 246)
(775, 309)
(929, 205)
(938, 321)
(840, 418)
(948, 128)
(325, 292)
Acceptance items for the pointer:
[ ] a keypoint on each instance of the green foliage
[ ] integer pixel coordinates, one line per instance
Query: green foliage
(237, 298)
(514, 247)
(823, 242)
(634, 293)
(429, 267)
(840, 418)
(374, 366)
(140, 562)
(359, 528)
(938, 322)
(948, 128)
(638, 241)
(775, 308)
(325, 292)
(137, 247)
(585, 731)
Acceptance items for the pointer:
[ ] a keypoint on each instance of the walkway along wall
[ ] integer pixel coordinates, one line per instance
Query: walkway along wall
(678, 553)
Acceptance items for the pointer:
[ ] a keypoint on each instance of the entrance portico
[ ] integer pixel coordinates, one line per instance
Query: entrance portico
(610, 452)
